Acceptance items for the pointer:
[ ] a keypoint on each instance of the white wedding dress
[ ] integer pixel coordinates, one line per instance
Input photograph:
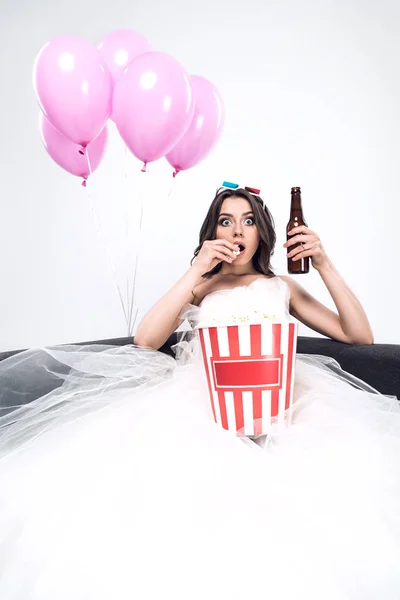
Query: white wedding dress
(118, 485)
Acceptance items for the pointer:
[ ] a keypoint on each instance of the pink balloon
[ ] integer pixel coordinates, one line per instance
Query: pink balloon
(73, 87)
(69, 155)
(153, 105)
(120, 47)
(204, 130)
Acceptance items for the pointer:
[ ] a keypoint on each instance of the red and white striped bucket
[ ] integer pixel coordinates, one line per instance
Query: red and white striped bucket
(250, 373)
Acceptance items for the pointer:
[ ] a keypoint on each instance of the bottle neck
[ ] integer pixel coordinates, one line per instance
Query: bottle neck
(295, 205)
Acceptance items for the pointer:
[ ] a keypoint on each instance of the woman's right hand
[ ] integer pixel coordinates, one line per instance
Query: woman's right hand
(213, 252)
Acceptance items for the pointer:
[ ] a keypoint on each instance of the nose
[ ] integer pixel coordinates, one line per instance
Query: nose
(238, 232)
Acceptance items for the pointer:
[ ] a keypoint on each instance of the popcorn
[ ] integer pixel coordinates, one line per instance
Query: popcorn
(253, 317)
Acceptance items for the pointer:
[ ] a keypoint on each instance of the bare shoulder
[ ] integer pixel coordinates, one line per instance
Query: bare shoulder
(287, 280)
(297, 293)
(209, 285)
(293, 286)
(201, 290)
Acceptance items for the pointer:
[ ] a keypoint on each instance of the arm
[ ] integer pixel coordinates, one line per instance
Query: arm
(351, 324)
(162, 320)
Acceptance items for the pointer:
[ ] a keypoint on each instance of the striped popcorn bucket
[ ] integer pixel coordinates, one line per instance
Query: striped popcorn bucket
(250, 373)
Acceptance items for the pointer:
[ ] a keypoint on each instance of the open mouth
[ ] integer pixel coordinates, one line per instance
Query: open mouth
(240, 248)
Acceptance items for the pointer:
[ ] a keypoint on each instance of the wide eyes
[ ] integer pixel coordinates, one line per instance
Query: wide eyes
(225, 222)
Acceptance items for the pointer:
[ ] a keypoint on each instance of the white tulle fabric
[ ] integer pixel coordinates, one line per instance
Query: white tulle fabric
(118, 485)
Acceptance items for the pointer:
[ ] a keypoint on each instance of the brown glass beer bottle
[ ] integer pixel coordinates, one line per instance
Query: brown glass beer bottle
(302, 265)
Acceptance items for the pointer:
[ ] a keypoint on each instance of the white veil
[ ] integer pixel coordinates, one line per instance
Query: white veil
(43, 386)
(47, 387)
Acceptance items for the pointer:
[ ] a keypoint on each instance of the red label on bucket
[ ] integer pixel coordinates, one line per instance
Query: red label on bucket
(247, 373)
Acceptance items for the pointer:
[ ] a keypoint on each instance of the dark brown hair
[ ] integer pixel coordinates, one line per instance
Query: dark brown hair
(263, 221)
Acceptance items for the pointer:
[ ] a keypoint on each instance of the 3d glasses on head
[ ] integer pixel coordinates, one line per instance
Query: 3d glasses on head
(235, 186)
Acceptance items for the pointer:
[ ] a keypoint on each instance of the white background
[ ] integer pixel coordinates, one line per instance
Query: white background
(312, 99)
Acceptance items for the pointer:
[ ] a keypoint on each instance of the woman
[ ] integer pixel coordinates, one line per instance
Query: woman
(235, 217)
(119, 485)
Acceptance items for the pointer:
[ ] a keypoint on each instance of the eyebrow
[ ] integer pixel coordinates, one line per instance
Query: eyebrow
(249, 212)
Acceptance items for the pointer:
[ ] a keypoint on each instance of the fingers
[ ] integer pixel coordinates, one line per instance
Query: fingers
(225, 257)
(225, 251)
(222, 242)
(228, 254)
(301, 239)
(302, 251)
(301, 229)
(220, 250)
(222, 246)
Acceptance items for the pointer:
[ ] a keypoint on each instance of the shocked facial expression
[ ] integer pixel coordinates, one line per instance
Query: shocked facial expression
(237, 225)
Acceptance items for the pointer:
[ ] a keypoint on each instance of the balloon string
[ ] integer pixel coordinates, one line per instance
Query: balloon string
(99, 230)
(132, 320)
(171, 188)
(127, 231)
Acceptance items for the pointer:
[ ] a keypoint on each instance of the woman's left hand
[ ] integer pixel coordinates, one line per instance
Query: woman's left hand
(311, 246)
